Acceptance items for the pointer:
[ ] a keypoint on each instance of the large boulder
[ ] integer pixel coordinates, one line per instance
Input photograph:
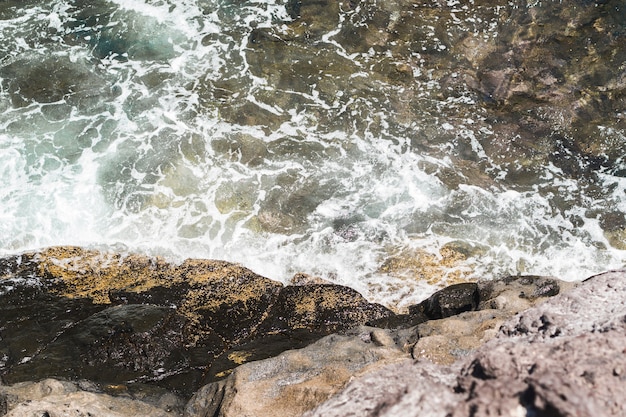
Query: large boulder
(563, 357)
(72, 313)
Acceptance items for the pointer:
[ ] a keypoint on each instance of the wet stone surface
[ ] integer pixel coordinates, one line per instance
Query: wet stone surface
(78, 314)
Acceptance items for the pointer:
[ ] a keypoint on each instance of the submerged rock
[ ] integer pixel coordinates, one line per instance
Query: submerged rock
(49, 79)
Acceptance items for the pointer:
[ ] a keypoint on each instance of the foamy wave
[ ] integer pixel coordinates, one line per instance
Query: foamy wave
(172, 140)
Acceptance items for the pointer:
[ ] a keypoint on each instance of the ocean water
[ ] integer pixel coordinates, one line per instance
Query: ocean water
(177, 129)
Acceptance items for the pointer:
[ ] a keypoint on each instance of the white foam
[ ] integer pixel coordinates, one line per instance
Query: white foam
(154, 179)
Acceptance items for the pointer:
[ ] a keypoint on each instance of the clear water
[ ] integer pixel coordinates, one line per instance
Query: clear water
(160, 127)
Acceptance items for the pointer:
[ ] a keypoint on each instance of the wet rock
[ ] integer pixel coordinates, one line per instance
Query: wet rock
(449, 301)
(128, 319)
(304, 279)
(139, 327)
(513, 293)
(436, 269)
(316, 305)
(241, 147)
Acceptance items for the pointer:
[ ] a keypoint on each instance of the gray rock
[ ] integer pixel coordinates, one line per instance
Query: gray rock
(597, 305)
(563, 357)
(393, 390)
(564, 376)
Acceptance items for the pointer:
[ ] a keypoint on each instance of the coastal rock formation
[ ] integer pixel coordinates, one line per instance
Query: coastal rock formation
(80, 314)
(132, 335)
(453, 323)
(564, 357)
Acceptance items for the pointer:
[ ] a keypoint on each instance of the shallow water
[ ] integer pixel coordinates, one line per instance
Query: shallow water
(347, 140)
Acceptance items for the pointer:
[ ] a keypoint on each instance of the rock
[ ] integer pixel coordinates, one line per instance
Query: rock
(400, 389)
(449, 301)
(562, 357)
(129, 320)
(148, 334)
(31, 78)
(514, 293)
(304, 279)
(448, 340)
(563, 377)
(480, 310)
(295, 381)
(54, 398)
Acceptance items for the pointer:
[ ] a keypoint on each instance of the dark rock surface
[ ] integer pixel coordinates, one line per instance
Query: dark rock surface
(72, 313)
(450, 301)
(564, 357)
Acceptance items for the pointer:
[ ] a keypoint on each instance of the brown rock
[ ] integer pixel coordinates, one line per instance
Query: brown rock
(294, 381)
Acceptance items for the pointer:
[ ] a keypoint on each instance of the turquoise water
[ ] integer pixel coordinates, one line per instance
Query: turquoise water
(232, 130)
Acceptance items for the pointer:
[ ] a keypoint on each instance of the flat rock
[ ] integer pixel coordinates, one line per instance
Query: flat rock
(52, 398)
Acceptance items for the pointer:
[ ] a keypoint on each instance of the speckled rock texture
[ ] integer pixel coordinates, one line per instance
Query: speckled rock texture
(564, 357)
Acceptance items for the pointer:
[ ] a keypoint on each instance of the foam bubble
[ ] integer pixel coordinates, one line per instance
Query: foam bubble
(160, 149)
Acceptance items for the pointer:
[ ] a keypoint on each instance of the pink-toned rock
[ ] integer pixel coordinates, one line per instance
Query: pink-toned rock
(565, 357)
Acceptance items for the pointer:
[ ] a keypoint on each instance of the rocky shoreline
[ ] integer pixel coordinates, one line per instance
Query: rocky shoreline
(85, 333)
